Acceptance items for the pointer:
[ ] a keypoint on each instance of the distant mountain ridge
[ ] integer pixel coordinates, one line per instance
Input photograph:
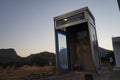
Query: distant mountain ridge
(9, 57)
(104, 52)
(41, 59)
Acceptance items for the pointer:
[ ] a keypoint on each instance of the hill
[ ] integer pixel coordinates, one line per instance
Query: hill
(104, 52)
(9, 57)
(41, 59)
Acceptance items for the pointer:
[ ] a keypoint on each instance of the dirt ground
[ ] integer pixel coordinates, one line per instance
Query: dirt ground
(26, 71)
(52, 73)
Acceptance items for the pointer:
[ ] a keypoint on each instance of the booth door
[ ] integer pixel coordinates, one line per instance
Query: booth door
(62, 51)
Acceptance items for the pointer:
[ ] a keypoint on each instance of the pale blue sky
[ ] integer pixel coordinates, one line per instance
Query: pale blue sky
(28, 27)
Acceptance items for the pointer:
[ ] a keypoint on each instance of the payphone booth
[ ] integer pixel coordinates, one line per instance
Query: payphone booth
(76, 41)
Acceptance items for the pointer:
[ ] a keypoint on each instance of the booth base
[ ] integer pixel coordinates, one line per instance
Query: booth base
(74, 76)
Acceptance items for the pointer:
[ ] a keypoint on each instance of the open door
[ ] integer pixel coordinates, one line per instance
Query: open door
(62, 50)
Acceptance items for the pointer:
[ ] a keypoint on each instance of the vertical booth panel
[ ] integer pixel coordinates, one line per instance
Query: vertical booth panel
(94, 46)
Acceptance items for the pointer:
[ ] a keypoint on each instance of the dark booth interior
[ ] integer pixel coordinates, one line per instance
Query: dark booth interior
(79, 46)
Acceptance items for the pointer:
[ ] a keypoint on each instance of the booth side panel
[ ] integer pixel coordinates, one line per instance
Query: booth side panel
(94, 46)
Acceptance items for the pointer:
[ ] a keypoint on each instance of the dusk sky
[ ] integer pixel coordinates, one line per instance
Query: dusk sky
(28, 27)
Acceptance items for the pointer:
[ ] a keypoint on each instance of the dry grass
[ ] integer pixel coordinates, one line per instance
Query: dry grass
(14, 74)
(30, 73)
